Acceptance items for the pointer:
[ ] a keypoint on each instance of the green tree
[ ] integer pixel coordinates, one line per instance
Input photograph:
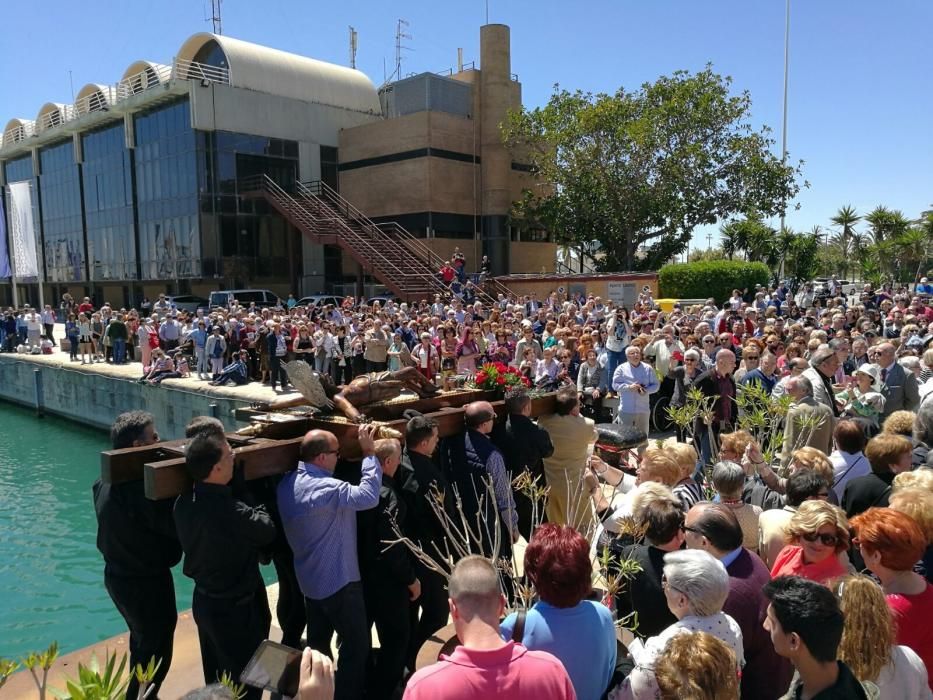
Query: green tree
(845, 220)
(639, 171)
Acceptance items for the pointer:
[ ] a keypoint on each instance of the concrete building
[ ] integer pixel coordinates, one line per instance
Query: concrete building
(138, 187)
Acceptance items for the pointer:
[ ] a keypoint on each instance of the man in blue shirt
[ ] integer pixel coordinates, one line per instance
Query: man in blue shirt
(319, 518)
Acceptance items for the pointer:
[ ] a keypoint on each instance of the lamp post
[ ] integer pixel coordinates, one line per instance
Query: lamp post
(784, 126)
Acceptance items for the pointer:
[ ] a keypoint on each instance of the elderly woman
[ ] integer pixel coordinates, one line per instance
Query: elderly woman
(917, 502)
(696, 586)
(888, 455)
(687, 490)
(579, 632)
(816, 535)
(697, 666)
(729, 482)
(890, 543)
(591, 384)
(868, 645)
(863, 399)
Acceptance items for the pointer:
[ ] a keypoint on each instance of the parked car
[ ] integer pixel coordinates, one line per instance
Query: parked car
(188, 302)
(320, 300)
(263, 298)
(382, 299)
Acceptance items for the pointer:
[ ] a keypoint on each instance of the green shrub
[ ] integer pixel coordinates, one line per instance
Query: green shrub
(710, 278)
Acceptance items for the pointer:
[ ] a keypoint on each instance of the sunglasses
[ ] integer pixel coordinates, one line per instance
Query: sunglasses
(825, 538)
(751, 357)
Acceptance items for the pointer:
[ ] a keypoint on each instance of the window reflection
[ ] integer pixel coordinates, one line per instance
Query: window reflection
(167, 193)
(108, 205)
(61, 214)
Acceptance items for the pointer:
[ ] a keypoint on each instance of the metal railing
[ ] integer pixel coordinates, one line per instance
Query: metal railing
(183, 69)
(55, 117)
(150, 77)
(97, 101)
(19, 132)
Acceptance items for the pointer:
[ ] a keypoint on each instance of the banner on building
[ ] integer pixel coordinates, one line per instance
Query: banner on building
(4, 255)
(23, 231)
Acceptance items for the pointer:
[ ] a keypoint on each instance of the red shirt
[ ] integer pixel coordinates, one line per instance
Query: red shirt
(85, 307)
(914, 615)
(508, 673)
(790, 563)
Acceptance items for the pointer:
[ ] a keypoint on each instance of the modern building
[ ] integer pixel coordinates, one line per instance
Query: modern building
(162, 181)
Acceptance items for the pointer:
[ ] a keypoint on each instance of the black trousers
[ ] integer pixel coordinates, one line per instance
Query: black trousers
(290, 607)
(49, 327)
(387, 607)
(229, 631)
(277, 371)
(148, 606)
(344, 612)
(434, 611)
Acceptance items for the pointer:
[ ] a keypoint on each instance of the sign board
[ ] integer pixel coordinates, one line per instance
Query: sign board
(624, 293)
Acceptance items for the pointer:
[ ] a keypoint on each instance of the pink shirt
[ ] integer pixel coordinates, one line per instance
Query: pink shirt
(790, 563)
(913, 614)
(508, 673)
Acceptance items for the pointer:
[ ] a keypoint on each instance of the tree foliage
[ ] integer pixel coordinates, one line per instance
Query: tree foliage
(710, 278)
(639, 171)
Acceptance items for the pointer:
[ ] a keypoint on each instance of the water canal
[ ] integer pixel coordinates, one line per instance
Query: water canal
(51, 574)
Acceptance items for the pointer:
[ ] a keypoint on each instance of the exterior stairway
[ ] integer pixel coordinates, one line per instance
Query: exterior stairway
(388, 252)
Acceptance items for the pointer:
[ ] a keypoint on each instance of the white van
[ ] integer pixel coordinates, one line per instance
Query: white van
(263, 298)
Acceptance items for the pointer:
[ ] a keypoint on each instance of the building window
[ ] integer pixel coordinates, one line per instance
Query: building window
(167, 193)
(62, 225)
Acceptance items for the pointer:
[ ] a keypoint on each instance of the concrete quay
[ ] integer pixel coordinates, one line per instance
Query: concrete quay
(94, 394)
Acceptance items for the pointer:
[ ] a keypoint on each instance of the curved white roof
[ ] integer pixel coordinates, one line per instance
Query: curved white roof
(52, 114)
(17, 130)
(93, 97)
(261, 68)
(141, 75)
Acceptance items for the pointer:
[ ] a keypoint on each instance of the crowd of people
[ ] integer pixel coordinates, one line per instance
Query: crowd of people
(753, 575)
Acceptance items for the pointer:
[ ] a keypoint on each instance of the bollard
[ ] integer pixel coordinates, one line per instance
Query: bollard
(214, 410)
(37, 380)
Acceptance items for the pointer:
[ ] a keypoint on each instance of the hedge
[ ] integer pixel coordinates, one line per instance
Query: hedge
(710, 278)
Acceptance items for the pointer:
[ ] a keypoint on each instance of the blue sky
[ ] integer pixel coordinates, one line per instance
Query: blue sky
(861, 74)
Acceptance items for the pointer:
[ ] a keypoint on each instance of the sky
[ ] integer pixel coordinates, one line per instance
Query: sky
(860, 84)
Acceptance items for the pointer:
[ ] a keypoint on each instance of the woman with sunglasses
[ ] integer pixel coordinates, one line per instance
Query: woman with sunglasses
(816, 535)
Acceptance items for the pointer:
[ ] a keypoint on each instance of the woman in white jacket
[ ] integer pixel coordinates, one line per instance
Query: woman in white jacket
(868, 645)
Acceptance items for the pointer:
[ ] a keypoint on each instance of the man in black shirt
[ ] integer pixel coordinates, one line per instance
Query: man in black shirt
(422, 484)
(221, 538)
(137, 539)
(524, 446)
(388, 576)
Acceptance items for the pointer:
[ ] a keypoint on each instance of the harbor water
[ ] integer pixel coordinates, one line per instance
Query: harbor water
(51, 574)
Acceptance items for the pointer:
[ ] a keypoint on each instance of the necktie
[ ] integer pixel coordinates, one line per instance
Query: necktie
(884, 375)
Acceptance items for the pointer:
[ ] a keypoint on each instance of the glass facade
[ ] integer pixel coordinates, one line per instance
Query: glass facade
(167, 193)
(108, 205)
(246, 238)
(62, 223)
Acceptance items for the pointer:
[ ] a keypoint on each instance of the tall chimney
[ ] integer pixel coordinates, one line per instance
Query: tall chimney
(495, 87)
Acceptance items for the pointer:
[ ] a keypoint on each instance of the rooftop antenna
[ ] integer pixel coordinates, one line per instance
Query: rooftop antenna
(215, 16)
(353, 45)
(400, 34)
(71, 82)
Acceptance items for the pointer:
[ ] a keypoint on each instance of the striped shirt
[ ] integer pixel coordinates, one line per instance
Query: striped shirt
(319, 518)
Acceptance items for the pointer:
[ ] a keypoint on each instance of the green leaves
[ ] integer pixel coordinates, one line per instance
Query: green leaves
(94, 683)
(639, 171)
(710, 278)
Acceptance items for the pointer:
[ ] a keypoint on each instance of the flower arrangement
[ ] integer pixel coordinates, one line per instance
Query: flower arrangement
(496, 376)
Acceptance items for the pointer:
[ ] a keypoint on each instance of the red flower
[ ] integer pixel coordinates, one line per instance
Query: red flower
(526, 381)
(501, 367)
(500, 380)
(481, 377)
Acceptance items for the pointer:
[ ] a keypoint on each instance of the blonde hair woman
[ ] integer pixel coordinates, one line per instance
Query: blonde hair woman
(697, 666)
(918, 504)
(686, 489)
(817, 533)
(869, 647)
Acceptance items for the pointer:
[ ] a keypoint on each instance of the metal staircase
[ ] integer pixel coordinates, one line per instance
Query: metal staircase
(388, 252)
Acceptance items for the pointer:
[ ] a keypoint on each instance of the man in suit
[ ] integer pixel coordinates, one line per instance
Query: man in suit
(719, 384)
(808, 423)
(898, 386)
(714, 528)
(823, 365)
(524, 445)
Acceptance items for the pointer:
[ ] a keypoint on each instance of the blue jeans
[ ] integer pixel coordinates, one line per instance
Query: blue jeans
(615, 358)
(119, 351)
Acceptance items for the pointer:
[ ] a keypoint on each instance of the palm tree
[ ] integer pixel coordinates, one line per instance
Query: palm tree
(846, 219)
